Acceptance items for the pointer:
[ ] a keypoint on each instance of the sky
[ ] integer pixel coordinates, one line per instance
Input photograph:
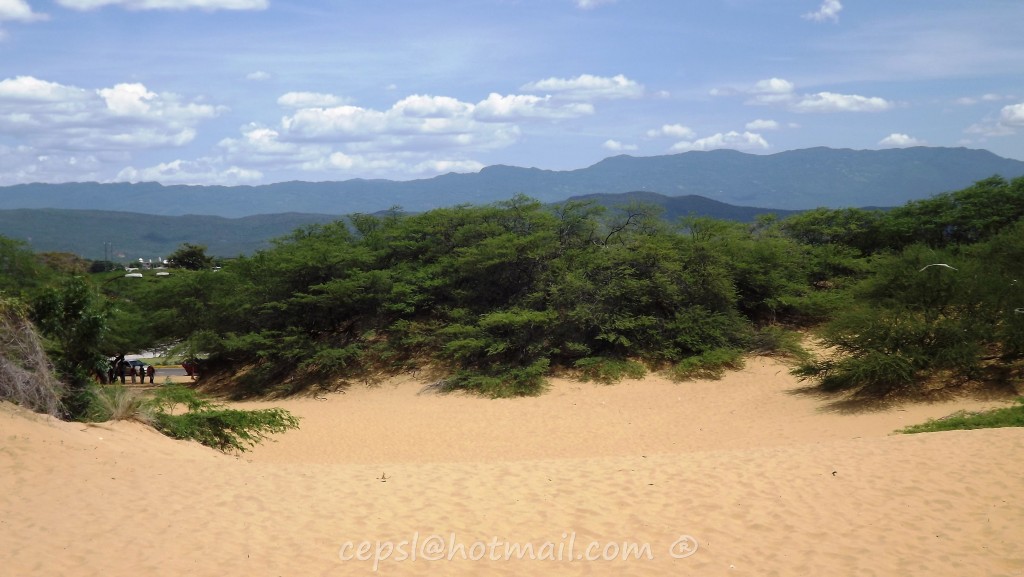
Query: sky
(259, 91)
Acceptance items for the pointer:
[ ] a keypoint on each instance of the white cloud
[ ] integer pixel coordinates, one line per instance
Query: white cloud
(426, 107)
(258, 76)
(761, 124)
(617, 146)
(29, 90)
(23, 163)
(1008, 122)
(898, 140)
(832, 102)
(443, 166)
(128, 99)
(202, 171)
(525, 106)
(778, 91)
(772, 91)
(418, 135)
(54, 117)
(1012, 115)
(829, 10)
(673, 131)
(417, 122)
(309, 100)
(167, 4)
(732, 139)
(588, 4)
(588, 87)
(18, 11)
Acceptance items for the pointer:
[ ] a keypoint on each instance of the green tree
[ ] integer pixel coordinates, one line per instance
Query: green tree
(71, 316)
(190, 256)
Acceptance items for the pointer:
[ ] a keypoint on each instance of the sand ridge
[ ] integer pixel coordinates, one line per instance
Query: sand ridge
(765, 481)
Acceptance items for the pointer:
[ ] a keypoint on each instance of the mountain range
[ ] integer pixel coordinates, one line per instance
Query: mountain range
(149, 220)
(792, 180)
(127, 236)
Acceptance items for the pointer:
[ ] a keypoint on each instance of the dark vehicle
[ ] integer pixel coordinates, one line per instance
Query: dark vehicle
(139, 366)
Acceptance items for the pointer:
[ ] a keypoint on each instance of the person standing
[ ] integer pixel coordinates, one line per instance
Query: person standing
(150, 372)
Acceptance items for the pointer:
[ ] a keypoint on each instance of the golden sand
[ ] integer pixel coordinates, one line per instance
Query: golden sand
(733, 477)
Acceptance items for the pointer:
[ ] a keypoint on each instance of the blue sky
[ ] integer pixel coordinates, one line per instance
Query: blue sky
(259, 91)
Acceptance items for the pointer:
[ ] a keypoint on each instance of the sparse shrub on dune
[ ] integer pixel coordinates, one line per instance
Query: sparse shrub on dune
(117, 403)
(213, 424)
(1012, 416)
(606, 370)
(710, 365)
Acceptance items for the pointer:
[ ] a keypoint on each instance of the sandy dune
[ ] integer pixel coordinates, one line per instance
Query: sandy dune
(733, 477)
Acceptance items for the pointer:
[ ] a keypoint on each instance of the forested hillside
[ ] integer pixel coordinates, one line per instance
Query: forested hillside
(496, 298)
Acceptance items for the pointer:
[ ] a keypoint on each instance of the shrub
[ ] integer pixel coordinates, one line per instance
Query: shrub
(606, 370)
(213, 424)
(501, 380)
(116, 403)
(963, 420)
(708, 365)
(870, 373)
(777, 341)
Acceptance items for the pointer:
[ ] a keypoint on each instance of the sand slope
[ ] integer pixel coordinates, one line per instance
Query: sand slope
(766, 482)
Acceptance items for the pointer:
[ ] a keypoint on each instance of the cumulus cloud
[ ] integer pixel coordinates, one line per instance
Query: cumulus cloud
(440, 166)
(898, 140)
(832, 102)
(309, 100)
(1012, 115)
(526, 106)
(772, 91)
(615, 145)
(202, 171)
(1007, 122)
(781, 92)
(418, 135)
(672, 131)
(829, 10)
(167, 4)
(258, 76)
(761, 124)
(18, 11)
(588, 87)
(23, 163)
(51, 116)
(417, 122)
(734, 140)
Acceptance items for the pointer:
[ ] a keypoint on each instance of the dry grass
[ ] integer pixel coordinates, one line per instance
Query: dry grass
(119, 403)
(26, 376)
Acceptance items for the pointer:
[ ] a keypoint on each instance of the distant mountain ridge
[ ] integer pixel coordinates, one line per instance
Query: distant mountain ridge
(791, 180)
(126, 236)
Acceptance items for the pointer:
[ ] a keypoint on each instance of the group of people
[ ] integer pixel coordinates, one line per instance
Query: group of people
(122, 369)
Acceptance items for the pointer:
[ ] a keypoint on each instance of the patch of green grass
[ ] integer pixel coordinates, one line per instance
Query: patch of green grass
(609, 371)
(707, 365)
(1005, 417)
